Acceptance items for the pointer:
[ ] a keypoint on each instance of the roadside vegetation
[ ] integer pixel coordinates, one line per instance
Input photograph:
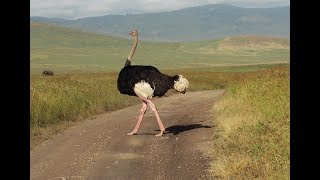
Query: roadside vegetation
(57, 102)
(252, 133)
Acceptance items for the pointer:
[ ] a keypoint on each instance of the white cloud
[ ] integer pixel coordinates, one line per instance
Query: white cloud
(72, 9)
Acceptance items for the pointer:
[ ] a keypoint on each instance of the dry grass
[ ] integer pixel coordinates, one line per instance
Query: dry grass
(252, 134)
(58, 102)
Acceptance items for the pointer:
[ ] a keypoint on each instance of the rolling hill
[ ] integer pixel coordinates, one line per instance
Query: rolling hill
(65, 50)
(189, 24)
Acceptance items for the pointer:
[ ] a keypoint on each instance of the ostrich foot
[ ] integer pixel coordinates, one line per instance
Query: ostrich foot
(161, 133)
(132, 133)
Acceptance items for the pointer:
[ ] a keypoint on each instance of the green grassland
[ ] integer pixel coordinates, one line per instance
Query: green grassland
(66, 50)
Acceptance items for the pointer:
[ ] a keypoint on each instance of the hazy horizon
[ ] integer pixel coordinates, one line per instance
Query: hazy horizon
(77, 9)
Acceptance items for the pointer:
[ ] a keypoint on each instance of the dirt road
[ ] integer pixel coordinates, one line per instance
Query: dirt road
(100, 149)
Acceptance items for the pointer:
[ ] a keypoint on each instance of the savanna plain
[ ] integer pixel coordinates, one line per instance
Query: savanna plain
(251, 134)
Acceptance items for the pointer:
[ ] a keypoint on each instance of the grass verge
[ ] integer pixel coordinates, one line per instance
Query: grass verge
(252, 134)
(60, 101)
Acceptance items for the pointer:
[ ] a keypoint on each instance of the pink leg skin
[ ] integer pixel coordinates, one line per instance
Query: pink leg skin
(136, 128)
(154, 109)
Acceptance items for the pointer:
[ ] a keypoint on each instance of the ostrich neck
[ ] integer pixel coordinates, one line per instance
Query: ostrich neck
(133, 49)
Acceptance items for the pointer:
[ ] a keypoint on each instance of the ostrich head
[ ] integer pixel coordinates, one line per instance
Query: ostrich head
(134, 33)
(180, 84)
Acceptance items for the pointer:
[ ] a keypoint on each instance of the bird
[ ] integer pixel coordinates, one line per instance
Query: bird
(147, 82)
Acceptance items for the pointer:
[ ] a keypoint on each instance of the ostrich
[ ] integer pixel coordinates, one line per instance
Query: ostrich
(147, 82)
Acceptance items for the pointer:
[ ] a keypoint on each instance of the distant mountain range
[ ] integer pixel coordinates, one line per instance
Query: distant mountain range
(189, 24)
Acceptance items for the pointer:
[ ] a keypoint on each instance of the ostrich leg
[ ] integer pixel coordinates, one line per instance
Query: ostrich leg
(154, 109)
(143, 110)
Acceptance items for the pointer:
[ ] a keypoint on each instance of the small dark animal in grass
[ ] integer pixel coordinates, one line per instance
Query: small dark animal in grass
(147, 82)
(47, 73)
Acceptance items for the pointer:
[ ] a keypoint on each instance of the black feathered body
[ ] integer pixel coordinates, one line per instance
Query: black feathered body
(130, 75)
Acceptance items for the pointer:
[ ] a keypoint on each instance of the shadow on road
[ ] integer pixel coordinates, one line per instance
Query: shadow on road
(176, 129)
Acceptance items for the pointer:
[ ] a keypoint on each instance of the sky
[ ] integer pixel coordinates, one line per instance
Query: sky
(75, 9)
